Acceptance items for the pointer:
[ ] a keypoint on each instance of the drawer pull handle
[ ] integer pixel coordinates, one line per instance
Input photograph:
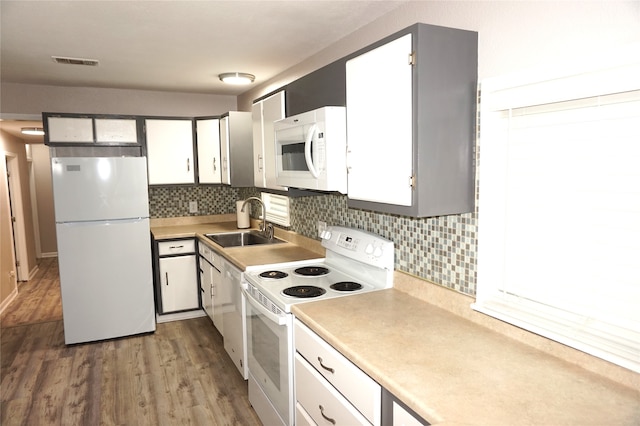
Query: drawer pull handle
(175, 247)
(329, 369)
(329, 419)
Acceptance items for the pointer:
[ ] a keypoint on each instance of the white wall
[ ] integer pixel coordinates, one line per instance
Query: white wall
(33, 99)
(513, 35)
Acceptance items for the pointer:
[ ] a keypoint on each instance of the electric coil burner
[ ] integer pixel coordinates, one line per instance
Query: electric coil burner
(346, 286)
(274, 275)
(304, 291)
(312, 271)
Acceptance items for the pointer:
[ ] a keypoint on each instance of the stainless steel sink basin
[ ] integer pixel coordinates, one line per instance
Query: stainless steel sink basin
(240, 239)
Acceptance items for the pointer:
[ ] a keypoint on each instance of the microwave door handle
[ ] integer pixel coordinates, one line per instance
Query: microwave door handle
(307, 151)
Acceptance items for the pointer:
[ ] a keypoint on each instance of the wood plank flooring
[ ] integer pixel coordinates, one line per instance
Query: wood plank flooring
(179, 375)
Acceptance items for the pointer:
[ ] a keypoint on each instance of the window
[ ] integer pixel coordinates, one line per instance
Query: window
(559, 207)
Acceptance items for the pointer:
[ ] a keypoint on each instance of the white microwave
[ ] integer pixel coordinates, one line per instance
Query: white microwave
(311, 150)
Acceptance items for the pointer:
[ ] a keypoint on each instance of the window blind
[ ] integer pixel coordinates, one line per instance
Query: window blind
(559, 206)
(277, 208)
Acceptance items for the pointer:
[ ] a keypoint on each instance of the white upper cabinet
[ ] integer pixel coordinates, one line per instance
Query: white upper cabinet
(70, 129)
(116, 130)
(264, 113)
(170, 151)
(208, 142)
(411, 113)
(379, 117)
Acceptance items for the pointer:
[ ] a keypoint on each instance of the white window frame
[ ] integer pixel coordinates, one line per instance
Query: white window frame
(595, 79)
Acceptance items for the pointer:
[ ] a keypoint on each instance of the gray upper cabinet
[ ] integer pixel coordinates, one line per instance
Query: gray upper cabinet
(236, 149)
(411, 108)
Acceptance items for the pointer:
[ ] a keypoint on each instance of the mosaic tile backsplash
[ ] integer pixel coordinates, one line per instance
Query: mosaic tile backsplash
(440, 249)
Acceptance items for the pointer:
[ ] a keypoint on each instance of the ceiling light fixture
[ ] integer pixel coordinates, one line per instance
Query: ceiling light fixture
(237, 78)
(34, 131)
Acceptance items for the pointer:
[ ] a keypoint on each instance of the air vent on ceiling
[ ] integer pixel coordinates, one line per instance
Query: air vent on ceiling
(75, 61)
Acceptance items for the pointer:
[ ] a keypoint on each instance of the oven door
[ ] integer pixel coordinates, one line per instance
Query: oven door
(270, 358)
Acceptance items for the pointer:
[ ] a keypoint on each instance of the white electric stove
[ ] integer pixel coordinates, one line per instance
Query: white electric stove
(356, 262)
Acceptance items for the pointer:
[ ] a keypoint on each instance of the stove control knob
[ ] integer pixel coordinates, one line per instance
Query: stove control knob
(326, 235)
(368, 249)
(377, 252)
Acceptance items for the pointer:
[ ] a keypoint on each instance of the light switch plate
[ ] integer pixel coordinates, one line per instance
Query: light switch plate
(193, 207)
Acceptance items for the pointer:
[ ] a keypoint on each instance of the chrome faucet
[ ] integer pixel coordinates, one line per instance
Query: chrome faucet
(265, 227)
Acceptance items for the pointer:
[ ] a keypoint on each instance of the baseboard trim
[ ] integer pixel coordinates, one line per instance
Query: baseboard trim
(6, 302)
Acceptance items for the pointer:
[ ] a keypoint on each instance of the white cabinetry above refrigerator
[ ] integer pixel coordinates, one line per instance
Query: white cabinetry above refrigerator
(170, 151)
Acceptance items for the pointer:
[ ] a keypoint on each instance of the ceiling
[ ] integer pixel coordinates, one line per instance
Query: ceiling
(173, 45)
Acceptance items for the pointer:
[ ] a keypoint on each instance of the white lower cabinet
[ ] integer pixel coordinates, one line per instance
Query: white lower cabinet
(328, 387)
(178, 283)
(211, 285)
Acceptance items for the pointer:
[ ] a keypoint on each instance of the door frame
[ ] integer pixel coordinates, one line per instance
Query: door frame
(17, 211)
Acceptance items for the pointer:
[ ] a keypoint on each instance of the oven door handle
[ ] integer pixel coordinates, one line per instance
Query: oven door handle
(278, 319)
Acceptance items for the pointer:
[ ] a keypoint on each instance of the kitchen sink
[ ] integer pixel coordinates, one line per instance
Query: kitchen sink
(241, 239)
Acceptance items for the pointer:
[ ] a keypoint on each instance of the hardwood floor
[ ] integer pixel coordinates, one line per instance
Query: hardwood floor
(179, 375)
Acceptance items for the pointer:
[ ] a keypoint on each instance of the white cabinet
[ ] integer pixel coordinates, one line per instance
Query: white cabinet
(69, 129)
(263, 113)
(211, 284)
(178, 280)
(208, 142)
(235, 336)
(116, 130)
(170, 151)
(380, 145)
(411, 137)
(329, 387)
(236, 149)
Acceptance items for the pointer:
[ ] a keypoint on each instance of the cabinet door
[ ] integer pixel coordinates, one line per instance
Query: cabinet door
(224, 150)
(178, 281)
(70, 129)
(116, 130)
(170, 151)
(380, 118)
(208, 142)
(258, 144)
(206, 286)
(272, 110)
(217, 294)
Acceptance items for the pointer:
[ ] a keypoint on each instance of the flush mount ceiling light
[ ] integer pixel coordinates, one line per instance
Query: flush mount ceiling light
(237, 78)
(34, 131)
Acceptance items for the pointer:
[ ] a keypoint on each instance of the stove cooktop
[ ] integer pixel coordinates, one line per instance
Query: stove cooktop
(285, 287)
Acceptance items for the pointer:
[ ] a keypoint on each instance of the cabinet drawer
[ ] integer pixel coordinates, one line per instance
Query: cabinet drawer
(360, 389)
(176, 247)
(321, 401)
(211, 255)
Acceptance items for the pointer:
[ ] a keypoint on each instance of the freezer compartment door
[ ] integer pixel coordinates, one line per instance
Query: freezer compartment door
(99, 188)
(106, 279)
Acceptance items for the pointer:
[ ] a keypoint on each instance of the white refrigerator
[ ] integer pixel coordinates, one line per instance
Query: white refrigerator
(104, 247)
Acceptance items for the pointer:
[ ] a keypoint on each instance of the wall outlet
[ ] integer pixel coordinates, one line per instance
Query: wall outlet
(322, 226)
(193, 207)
